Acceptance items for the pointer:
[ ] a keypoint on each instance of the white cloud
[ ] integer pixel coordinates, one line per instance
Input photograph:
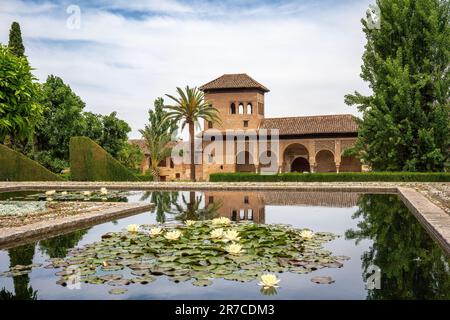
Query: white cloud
(309, 61)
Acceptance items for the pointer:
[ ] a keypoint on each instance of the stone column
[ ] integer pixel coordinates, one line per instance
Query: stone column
(337, 154)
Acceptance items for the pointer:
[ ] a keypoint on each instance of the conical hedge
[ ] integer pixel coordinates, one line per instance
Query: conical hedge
(14, 166)
(90, 162)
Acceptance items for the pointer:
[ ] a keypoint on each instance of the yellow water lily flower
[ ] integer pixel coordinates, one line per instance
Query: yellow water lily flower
(64, 193)
(173, 235)
(269, 281)
(86, 193)
(307, 234)
(50, 192)
(103, 191)
(234, 249)
(221, 221)
(216, 233)
(231, 235)
(49, 199)
(156, 231)
(133, 228)
(190, 223)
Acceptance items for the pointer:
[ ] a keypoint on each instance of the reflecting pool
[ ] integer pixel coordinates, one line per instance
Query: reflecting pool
(381, 252)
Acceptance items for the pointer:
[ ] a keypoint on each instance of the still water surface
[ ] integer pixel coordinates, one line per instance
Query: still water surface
(375, 231)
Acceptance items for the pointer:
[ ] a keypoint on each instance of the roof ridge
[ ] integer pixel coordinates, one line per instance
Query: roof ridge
(312, 116)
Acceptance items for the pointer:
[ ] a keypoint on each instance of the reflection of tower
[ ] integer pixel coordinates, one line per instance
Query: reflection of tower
(239, 206)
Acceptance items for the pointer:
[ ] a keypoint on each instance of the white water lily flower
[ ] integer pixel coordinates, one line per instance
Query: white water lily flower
(86, 193)
(269, 281)
(234, 249)
(231, 235)
(156, 231)
(173, 235)
(64, 193)
(190, 223)
(50, 192)
(133, 228)
(49, 199)
(307, 234)
(103, 191)
(217, 233)
(221, 221)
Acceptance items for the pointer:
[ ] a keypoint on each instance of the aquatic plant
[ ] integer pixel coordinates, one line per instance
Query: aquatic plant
(185, 253)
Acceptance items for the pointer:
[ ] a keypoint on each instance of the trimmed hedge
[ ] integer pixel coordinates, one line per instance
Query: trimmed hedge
(90, 162)
(14, 166)
(333, 177)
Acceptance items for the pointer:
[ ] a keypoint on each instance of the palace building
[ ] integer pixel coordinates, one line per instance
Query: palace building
(304, 144)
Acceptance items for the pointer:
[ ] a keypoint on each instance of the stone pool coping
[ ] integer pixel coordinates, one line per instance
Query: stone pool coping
(11, 237)
(429, 208)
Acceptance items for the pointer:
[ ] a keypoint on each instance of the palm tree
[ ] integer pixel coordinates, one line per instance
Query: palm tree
(157, 134)
(190, 107)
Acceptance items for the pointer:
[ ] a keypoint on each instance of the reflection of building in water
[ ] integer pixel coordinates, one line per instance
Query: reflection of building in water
(250, 205)
(238, 206)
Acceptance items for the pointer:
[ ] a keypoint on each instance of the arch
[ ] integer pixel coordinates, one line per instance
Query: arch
(244, 162)
(350, 164)
(292, 152)
(233, 108)
(249, 108)
(241, 108)
(300, 164)
(325, 161)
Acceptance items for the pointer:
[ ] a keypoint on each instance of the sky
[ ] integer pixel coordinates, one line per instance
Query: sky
(120, 55)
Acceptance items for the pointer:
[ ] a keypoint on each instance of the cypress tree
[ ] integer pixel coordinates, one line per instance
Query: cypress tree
(405, 124)
(15, 40)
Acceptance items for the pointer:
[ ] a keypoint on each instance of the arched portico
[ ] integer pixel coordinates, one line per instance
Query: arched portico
(325, 161)
(295, 158)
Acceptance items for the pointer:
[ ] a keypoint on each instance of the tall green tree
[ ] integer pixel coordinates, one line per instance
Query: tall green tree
(189, 108)
(15, 40)
(20, 110)
(115, 134)
(405, 124)
(157, 134)
(64, 119)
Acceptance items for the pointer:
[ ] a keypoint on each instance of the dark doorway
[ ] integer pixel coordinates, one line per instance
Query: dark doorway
(300, 165)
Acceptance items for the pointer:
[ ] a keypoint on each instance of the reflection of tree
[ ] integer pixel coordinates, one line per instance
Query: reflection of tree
(22, 255)
(412, 265)
(163, 202)
(57, 247)
(190, 210)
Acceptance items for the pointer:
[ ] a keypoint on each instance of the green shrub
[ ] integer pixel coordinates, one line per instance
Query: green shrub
(90, 162)
(14, 166)
(333, 177)
(145, 177)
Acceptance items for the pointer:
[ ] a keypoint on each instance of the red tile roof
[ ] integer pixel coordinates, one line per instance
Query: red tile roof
(344, 123)
(142, 144)
(234, 81)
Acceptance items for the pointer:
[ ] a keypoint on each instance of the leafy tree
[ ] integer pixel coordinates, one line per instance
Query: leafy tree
(93, 126)
(130, 156)
(20, 111)
(15, 40)
(157, 134)
(115, 134)
(63, 120)
(190, 106)
(191, 209)
(405, 124)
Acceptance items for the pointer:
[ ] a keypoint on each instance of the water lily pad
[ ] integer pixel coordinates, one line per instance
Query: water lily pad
(118, 282)
(322, 280)
(202, 283)
(143, 280)
(118, 291)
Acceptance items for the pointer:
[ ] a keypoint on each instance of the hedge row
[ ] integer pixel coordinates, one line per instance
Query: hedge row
(14, 166)
(333, 177)
(90, 162)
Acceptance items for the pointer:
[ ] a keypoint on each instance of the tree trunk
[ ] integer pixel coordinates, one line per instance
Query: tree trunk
(155, 174)
(192, 143)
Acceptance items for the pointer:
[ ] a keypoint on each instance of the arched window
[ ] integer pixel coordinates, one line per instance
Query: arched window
(241, 108)
(249, 108)
(233, 108)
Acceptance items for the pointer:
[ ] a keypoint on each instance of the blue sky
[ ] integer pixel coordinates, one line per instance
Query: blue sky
(127, 53)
